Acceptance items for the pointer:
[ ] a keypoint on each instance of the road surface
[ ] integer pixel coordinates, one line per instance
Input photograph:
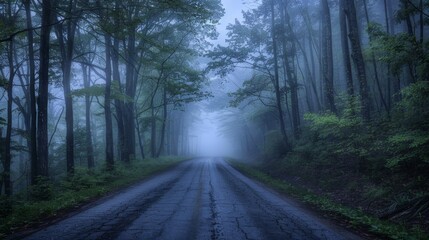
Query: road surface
(199, 199)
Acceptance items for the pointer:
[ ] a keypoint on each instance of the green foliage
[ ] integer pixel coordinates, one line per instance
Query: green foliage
(398, 50)
(409, 141)
(42, 190)
(255, 87)
(337, 137)
(99, 90)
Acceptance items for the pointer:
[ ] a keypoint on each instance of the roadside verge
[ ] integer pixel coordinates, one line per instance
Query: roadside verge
(354, 219)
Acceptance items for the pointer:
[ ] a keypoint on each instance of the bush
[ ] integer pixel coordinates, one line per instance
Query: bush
(42, 190)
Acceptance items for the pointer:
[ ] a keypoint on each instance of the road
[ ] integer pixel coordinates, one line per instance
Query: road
(199, 199)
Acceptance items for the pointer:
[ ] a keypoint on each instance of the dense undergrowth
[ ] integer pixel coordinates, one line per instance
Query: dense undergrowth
(47, 200)
(379, 167)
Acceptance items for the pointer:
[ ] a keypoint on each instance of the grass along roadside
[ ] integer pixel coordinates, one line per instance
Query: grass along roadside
(69, 194)
(354, 218)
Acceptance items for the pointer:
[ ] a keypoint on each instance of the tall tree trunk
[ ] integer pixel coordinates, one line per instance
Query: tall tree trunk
(153, 132)
(422, 23)
(88, 133)
(358, 59)
(67, 48)
(289, 54)
(164, 123)
(374, 64)
(8, 140)
(276, 81)
(119, 105)
(346, 53)
(107, 108)
(32, 94)
(327, 57)
(141, 139)
(42, 131)
(130, 91)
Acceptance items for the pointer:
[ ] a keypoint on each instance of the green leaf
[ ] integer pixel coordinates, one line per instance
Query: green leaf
(97, 90)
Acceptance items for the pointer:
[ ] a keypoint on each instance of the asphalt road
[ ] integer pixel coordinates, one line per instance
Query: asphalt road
(199, 199)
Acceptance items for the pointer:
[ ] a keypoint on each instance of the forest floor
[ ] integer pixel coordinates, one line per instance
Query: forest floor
(347, 201)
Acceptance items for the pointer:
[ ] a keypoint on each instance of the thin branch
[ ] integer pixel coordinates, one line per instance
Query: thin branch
(10, 37)
(56, 126)
(417, 8)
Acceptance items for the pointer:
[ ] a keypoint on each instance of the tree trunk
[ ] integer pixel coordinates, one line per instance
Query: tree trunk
(327, 58)
(358, 59)
(141, 139)
(288, 57)
(42, 133)
(67, 48)
(153, 132)
(276, 81)
(164, 121)
(130, 91)
(346, 53)
(107, 108)
(32, 94)
(88, 133)
(8, 140)
(374, 64)
(119, 105)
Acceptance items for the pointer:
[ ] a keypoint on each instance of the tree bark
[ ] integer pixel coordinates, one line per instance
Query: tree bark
(358, 59)
(327, 58)
(107, 108)
(32, 94)
(289, 54)
(42, 131)
(119, 105)
(130, 91)
(67, 48)
(8, 140)
(374, 64)
(276, 81)
(164, 121)
(88, 133)
(346, 52)
(153, 132)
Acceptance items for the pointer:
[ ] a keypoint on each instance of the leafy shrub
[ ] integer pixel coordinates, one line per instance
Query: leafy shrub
(409, 138)
(42, 190)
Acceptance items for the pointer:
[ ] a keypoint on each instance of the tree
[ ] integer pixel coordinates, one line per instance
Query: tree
(346, 49)
(66, 40)
(249, 48)
(42, 131)
(358, 59)
(32, 93)
(327, 58)
(289, 54)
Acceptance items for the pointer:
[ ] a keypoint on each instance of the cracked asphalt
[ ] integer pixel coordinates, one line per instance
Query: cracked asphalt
(199, 199)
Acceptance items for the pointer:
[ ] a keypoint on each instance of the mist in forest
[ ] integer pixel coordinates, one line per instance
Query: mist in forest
(329, 94)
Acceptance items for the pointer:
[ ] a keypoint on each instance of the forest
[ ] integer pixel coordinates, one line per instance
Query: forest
(331, 96)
